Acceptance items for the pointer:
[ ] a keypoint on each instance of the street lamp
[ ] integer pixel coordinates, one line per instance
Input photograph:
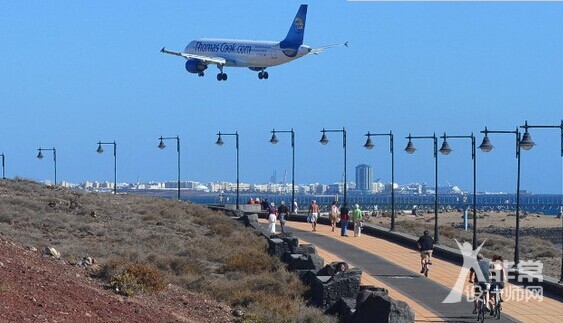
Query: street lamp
(445, 150)
(527, 143)
(486, 146)
(40, 156)
(410, 149)
(369, 145)
(101, 150)
(3, 166)
(220, 142)
(324, 141)
(274, 141)
(161, 145)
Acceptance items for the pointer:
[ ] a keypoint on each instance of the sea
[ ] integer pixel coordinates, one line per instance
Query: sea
(547, 204)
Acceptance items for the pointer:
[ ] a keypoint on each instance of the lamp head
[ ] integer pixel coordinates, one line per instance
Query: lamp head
(445, 150)
(486, 145)
(527, 143)
(161, 145)
(100, 149)
(324, 139)
(274, 139)
(219, 141)
(369, 144)
(40, 154)
(410, 147)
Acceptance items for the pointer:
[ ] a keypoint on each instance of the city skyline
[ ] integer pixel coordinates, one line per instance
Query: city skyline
(444, 67)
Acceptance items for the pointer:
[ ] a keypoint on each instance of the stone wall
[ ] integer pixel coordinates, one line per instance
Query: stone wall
(333, 287)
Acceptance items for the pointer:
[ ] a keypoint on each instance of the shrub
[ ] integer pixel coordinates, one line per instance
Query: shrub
(249, 261)
(138, 278)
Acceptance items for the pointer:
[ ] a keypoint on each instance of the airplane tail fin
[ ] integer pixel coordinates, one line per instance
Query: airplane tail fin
(294, 37)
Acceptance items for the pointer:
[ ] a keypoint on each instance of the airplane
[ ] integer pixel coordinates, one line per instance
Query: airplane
(256, 55)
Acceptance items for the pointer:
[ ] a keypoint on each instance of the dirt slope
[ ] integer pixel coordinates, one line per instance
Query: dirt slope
(39, 288)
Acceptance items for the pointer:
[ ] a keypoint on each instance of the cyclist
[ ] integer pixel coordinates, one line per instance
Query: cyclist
(426, 245)
(481, 284)
(498, 277)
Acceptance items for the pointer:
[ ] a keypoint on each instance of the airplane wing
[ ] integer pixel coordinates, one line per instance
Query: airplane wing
(204, 59)
(319, 50)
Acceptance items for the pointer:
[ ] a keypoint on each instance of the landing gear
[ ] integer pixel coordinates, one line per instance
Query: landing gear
(222, 77)
(263, 75)
(200, 74)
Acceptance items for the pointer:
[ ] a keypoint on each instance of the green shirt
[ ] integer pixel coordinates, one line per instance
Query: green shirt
(357, 215)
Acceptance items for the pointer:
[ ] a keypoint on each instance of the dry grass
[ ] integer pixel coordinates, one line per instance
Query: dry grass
(143, 242)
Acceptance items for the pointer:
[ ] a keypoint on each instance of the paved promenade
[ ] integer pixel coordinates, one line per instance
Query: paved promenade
(396, 268)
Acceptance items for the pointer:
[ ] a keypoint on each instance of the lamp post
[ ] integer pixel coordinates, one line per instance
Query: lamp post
(3, 166)
(274, 141)
(445, 150)
(527, 143)
(324, 141)
(486, 146)
(40, 156)
(369, 145)
(220, 142)
(101, 150)
(161, 145)
(410, 149)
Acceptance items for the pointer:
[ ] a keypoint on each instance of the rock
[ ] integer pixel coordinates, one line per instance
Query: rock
(93, 214)
(377, 306)
(94, 271)
(31, 248)
(277, 247)
(87, 261)
(343, 308)
(52, 252)
(246, 219)
(306, 249)
(309, 262)
(1, 264)
(326, 290)
(237, 312)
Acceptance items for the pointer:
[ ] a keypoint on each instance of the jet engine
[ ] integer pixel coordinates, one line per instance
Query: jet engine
(195, 66)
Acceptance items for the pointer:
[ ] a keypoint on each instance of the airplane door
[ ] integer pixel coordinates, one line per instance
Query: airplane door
(274, 53)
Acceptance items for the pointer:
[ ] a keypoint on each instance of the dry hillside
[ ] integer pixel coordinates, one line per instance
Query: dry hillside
(148, 255)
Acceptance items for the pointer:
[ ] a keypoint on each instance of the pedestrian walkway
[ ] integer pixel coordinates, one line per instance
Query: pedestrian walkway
(397, 268)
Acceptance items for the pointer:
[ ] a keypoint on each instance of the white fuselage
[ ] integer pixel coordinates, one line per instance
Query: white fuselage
(245, 53)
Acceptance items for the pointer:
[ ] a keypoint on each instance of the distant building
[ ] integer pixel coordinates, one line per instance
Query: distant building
(364, 177)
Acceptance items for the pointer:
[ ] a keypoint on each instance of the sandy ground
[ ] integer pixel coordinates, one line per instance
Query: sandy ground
(484, 219)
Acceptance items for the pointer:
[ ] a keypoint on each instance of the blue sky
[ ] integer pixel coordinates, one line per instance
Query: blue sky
(73, 73)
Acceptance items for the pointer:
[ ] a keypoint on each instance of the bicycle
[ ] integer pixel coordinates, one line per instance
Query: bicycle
(497, 306)
(426, 264)
(481, 301)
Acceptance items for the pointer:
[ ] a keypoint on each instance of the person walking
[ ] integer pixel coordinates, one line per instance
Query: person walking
(313, 214)
(283, 213)
(272, 217)
(344, 218)
(333, 215)
(357, 217)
